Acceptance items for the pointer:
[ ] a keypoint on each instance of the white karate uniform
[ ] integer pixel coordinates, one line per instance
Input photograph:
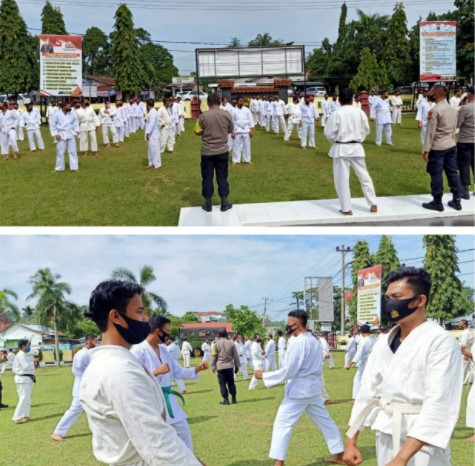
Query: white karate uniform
(420, 98)
(455, 101)
(174, 112)
(20, 136)
(230, 109)
(32, 121)
(126, 413)
(149, 358)
(152, 129)
(302, 371)
(80, 362)
(106, 118)
(206, 348)
(174, 350)
(261, 105)
(181, 114)
(141, 115)
(270, 355)
(470, 413)
(467, 339)
(66, 126)
(281, 346)
(186, 350)
(380, 112)
(247, 352)
(258, 362)
(327, 354)
(396, 104)
(120, 122)
(278, 119)
(422, 114)
(254, 108)
(23, 364)
(325, 106)
(347, 128)
(50, 111)
(8, 122)
(294, 119)
(361, 358)
(88, 122)
(243, 123)
(414, 392)
(309, 115)
(132, 115)
(242, 358)
(350, 350)
(268, 109)
(166, 127)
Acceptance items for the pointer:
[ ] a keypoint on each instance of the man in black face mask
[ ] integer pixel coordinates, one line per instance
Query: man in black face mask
(124, 404)
(153, 354)
(412, 382)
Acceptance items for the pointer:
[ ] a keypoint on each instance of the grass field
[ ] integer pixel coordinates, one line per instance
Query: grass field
(114, 189)
(222, 435)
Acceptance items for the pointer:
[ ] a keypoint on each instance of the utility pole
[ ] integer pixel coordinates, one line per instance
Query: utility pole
(264, 315)
(343, 251)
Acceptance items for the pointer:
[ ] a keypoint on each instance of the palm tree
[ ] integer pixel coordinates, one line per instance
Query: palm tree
(28, 312)
(264, 40)
(298, 296)
(146, 277)
(52, 306)
(7, 306)
(234, 43)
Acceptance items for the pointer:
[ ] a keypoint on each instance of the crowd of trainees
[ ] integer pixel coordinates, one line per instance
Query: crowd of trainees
(408, 385)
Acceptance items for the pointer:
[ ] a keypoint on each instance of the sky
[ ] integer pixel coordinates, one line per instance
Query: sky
(199, 272)
(212, 23)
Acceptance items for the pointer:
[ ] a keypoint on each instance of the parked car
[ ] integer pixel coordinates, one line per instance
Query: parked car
(317, 91)
(190, 94)
(22, 99)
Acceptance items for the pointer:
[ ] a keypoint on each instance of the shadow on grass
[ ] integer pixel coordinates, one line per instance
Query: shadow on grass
(198, 419)
(368, 453)
(194, 392)
(252, 463)
(461, 433)
(80, 435)
(43, 404)
(51, 416)
(339, 402)
(255, 400)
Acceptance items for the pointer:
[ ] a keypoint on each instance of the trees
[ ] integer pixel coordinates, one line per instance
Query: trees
(7, 305)
(146, 277)
(264, 40)
(386, 256)
(441, 262)
(245, 321)
(234, 43)
(52, 306)
(95, 52)
(370, 74)
(158, 67)
(126, 66)
(17, 58)
(52, 21)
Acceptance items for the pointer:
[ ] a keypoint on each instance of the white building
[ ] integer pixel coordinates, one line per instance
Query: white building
(38, 335)
(211, 316)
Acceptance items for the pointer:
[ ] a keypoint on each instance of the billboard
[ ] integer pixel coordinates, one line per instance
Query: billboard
(369, 296)
(325, 299)
(250, 62)
(437, 50)
(348, 296)
(60, 65)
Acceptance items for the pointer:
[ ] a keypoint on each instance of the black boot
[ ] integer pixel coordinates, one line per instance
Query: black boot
(224, 402)
(207, 205)
(225, 204)
(234, 400)
(455, 204)
(464, 193)
(434, 205)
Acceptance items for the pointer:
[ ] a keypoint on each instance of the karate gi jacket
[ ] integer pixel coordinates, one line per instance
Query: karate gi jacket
(31, 120)
(380, 111)
(242, 119)
(64, 125)
(88, 120)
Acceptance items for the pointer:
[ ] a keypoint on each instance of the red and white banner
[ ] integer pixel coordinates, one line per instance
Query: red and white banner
(438, 58)
(369, 296)
(60, 65)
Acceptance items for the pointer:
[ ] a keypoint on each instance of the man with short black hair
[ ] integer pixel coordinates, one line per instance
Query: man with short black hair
(301, 371)
(124, 403)
(381, 114)
(216, 125)
(24, 370)
(412, 384)
(152, 136)
(80, 362)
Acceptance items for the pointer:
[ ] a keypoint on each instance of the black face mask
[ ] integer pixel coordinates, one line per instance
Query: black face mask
(137, 331)
(258, 340)
(164, 336)
(289, 329)
(397, 309)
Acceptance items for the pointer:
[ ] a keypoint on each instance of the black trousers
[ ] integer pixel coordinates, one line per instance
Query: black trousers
(465, 161)
(441, 161)
(220, 165)
(226, 381)
(1, 390)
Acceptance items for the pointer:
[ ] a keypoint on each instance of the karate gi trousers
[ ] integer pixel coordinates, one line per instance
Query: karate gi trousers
(257, 366)
(470, 416)
(154, 156)
(24, 401)
(307, 129)
(32, 135)
(183, 431)
(186, 360)
(141, 122)
(357, 381)
(255, 117)
(279, 121)
(181, 385)
(167, 139)
(242, 148)
(288, 415)
(349, 357)
(69, 417)
(396, 116)
(181, 125)
(20, 136)
(341, 177)
(281, 358)
(270, 364)
(243, 369)
(84, 141)
(325, 395)
(331, 362)
(290, 127)
(61, 146)
(263, 120)
(127, 129)
(105, 133)
(269, 122)
(206, 357)
(9, 139)
(120, 133)
(387, 131)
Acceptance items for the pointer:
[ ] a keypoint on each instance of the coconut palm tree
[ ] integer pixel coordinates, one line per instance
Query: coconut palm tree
(146, 277)
(234, 43)
(264, 40)
(7, 306)
(52, 307)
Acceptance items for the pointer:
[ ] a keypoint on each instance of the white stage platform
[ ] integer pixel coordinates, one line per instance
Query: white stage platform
(322, 212)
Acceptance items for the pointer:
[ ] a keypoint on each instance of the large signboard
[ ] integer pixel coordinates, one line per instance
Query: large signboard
(250, 62)
(325, 299)
(60, 65)
(369, 296)
(437, 50)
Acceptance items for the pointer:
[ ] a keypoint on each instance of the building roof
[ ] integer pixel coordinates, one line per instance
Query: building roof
(209, 313)
(101, 79)
(227, 325)
(5, 325)
(33, 328)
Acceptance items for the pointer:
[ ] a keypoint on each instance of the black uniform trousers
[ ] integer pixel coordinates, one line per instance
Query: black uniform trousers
(441, 161)
(226, 381)
(465, 152)
(210, 164)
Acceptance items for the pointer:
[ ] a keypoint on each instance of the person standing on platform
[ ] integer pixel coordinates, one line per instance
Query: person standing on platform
(31, 120)
(381, 114)
(440, 151)
(466, 142)
(347, 128)
(309, 115)
(80, 362)
(396, 108)
(24, 370)
(88, 125)
(107, 115)
(281, 347)
(242, 134)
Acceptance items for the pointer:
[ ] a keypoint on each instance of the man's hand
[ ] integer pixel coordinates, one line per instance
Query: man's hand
(251, 133)
(233, 135)
(148, 137)
(58, 137)
(236, 370)
(352, 456)
(163, 369)
(397, 462)
(258, 374)
(202, 366)
(419, 125)
(425, 156)
(348, 367)
(300, 124)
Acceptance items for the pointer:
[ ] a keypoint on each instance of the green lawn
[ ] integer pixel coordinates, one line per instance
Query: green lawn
(222, 435)
(114, 189)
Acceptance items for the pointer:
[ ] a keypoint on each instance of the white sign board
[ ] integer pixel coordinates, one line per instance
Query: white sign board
(325, 299)
(248, 62)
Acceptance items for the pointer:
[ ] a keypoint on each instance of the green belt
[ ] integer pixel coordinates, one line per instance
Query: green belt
(167, 391)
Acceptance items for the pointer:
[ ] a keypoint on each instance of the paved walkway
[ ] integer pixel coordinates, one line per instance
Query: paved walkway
(392, 211)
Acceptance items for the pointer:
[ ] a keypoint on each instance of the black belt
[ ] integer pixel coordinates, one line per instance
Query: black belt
(31, 376)
(348, 142)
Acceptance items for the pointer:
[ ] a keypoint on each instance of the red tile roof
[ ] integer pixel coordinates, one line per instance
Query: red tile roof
(227, 325)
(209, 313)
